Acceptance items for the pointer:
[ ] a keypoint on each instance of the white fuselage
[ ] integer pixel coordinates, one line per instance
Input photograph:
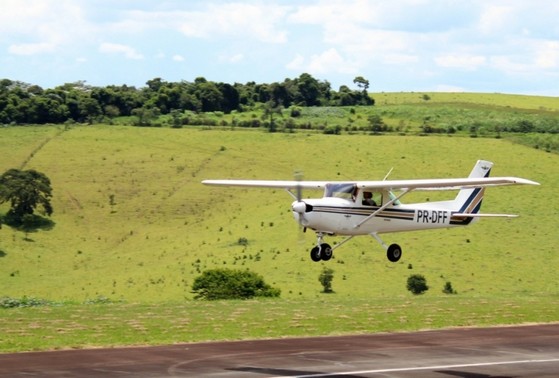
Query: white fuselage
(338, 216)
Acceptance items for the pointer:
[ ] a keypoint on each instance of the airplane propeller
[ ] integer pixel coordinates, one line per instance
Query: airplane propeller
(300, 206)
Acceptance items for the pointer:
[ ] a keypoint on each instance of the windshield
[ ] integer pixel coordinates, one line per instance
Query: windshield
(392, 196)
(346, 191)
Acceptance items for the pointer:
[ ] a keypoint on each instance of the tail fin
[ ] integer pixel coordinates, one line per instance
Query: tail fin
(468, 201)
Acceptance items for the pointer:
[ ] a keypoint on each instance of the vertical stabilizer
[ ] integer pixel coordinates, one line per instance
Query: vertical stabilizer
(468, 201)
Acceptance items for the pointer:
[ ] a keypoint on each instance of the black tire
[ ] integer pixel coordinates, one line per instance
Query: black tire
(394, 252)
(315, 254)
(325, 252)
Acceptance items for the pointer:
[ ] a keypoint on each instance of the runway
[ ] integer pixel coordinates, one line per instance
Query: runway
(519, 351)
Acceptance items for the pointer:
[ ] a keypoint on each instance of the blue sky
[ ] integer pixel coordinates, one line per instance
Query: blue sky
(505, 46)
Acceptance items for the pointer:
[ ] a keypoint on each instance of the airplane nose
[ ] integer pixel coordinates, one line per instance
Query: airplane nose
(301, 207)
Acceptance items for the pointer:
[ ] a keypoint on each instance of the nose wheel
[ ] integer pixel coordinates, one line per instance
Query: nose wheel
(321, 252)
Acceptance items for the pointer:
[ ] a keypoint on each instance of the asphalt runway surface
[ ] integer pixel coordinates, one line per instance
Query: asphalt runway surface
(502, 352)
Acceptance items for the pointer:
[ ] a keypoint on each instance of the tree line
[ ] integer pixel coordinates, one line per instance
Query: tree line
(22, 103)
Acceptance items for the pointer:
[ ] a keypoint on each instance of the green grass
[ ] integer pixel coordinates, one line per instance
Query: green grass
(165, 227)
(89, 326)
(133, 223)
(510, 101)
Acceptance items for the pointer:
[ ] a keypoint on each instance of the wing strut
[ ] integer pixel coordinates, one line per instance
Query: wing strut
(343, 242)
(375, 213)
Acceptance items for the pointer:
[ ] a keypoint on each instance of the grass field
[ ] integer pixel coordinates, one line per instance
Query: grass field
(133, 224)
(90, 326)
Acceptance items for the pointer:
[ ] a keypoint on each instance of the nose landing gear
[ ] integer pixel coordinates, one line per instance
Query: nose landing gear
(322, 251)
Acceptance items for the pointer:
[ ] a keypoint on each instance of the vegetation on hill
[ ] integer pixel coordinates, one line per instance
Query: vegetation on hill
(133, 222)
(22, 103)
(303, 103)
(134, 227)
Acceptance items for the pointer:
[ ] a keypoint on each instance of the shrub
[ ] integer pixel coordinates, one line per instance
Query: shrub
(9, 302)
(325, 278)
(224, 283)
(448, 289)
(417, 284)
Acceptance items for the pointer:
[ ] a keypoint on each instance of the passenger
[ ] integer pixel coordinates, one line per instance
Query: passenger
(368, 199)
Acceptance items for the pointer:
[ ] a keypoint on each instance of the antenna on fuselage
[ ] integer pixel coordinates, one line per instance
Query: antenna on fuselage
(388, 174)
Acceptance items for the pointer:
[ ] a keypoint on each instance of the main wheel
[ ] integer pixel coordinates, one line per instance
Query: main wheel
(325, 252)
(315, 254)
(394, 252)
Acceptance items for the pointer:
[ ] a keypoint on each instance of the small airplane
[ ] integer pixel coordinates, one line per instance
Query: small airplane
(352, 208)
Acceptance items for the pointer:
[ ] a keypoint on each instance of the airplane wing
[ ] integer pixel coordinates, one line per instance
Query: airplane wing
(444, 184)
(418, 184)
(279, 184)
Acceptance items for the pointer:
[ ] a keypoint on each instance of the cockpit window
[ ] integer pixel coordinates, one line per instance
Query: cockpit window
(346, 191)
(392, 196)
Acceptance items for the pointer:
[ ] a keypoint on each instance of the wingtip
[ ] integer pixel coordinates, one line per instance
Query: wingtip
(529, 182)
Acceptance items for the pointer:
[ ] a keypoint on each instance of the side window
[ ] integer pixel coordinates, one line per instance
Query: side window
(372, 198)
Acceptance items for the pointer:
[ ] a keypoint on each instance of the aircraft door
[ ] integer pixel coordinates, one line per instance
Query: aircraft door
(372, 198)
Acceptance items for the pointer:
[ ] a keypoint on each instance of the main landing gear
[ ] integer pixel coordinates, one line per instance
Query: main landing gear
(323, 251)
(394, 252)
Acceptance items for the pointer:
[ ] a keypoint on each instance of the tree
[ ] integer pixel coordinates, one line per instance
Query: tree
(362, 83)
(217, 284)
(271, 108)
(417, 284)
(309, 90)
(145, 115)
(376, 124)
(325, 278)
(25, 190)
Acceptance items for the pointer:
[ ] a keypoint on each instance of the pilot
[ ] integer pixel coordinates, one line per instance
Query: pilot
(368, 199)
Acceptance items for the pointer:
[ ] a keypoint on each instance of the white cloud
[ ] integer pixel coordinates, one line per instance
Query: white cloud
(404, 43)
(115, 48)
(508, 65)
(448, 88)
(329, 61)
(547, 55)
(494, 18)
(253, 21)
(45, 22)
(233, 58)
(461, 61)
(297, 63)
(31, 48)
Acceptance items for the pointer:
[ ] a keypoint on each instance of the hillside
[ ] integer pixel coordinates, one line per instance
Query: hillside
(132, 221)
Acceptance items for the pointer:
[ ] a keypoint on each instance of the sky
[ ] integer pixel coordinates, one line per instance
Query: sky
(492, 46)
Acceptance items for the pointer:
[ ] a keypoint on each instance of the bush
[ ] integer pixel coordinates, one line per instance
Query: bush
(417, 284)
(325, 278)
(9, 302)
(448, 289)
(217, 284)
